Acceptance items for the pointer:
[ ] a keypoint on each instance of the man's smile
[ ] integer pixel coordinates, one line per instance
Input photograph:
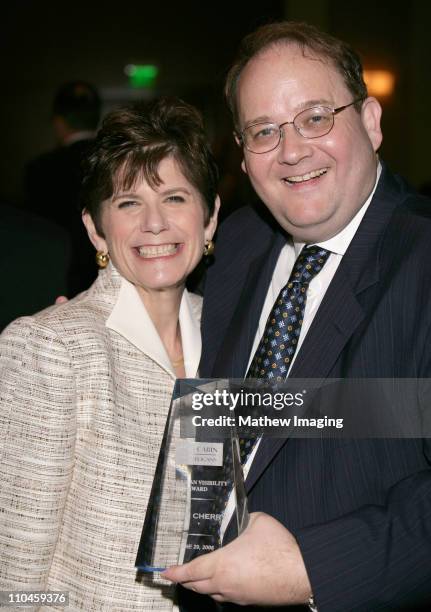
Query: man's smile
(301, 178)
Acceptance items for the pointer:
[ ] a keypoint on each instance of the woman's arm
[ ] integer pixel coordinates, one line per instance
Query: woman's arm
(37, 437)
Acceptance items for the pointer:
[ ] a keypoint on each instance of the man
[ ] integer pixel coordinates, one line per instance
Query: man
(341, 525)
(53, 180)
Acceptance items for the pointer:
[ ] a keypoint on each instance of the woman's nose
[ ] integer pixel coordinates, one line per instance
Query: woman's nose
(153, 219)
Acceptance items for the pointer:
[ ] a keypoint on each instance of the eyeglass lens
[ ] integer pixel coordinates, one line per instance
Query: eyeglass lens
(310, 123)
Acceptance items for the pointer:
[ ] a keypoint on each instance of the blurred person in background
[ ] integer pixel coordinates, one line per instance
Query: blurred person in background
(52, 181)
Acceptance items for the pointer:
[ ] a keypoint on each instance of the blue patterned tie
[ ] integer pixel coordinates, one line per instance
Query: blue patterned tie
(279, 340)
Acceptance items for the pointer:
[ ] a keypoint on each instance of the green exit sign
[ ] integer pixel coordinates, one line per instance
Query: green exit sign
(142, 75)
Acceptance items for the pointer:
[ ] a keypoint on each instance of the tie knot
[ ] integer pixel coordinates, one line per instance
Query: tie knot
(309, 263)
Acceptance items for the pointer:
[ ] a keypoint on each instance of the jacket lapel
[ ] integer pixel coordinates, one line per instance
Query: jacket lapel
(234, 354)
(130, 319)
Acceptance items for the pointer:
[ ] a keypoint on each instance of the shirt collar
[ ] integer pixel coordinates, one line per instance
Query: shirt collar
(130, 319)
(340, 242)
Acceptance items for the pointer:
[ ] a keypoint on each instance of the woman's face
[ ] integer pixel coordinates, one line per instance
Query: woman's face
(155, 236)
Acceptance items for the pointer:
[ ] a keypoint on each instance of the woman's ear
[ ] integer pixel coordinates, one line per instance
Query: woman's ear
(211, 226)
(97, 241)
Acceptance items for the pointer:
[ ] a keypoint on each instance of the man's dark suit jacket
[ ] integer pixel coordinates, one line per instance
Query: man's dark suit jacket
(359, 509)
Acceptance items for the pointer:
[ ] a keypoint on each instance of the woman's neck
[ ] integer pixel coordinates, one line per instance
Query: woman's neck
(163, 308)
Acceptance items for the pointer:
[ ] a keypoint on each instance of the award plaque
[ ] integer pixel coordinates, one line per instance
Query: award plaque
(198, 471)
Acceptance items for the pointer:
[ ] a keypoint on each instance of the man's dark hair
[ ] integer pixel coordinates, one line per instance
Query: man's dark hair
(79, 104)
(132, 142)
(309, 39)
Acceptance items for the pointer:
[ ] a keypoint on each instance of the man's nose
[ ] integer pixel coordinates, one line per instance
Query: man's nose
(293, 147)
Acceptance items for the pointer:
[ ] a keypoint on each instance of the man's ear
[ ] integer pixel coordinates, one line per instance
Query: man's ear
(371, 113)
(97, 241)
(211, 226)
(239, 143)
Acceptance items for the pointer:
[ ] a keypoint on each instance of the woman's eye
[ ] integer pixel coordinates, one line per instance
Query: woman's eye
(127, 204)
(175, 198)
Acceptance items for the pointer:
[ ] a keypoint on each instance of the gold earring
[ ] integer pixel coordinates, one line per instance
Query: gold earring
(209, 248)
(102, 259)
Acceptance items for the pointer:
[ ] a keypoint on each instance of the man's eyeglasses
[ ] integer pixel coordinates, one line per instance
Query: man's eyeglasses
(310, 123)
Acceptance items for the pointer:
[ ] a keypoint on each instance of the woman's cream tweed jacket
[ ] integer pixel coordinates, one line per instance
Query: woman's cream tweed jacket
(84, 393)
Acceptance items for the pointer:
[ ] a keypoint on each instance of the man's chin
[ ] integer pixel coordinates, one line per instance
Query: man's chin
(307, 231)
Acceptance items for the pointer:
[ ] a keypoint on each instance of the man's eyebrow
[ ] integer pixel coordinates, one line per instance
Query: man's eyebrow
(315, 102)
(299, 108)
(261, 119)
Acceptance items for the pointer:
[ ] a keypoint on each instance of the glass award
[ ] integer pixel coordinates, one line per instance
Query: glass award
(198, 472)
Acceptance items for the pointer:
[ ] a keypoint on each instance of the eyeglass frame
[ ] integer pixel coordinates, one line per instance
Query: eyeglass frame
(334, 111)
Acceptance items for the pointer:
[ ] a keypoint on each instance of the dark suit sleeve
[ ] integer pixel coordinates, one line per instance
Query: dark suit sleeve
(375, 555)
(379, 556)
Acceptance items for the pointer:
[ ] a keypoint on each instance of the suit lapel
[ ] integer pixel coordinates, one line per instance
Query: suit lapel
(233, 357)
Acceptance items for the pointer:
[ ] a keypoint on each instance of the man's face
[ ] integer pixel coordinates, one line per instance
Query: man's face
(313, 187)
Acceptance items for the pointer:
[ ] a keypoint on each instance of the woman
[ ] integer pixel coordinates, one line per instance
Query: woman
(85, 387)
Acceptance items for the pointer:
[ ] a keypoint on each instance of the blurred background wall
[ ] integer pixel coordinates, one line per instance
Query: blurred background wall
(47, 42)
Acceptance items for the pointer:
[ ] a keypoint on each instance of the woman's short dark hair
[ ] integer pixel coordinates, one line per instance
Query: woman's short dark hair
(132, 142)
(307, 38)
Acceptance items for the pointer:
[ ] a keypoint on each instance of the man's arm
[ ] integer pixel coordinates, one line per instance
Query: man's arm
(378, 557)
